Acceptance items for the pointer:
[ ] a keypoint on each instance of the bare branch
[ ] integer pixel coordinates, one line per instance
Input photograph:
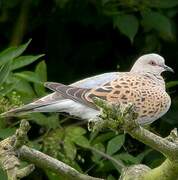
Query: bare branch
(46, 162)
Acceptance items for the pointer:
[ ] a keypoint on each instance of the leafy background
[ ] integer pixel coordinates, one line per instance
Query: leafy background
(80, 39)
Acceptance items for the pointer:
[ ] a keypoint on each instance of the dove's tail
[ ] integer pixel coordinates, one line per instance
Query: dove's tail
(64, 105)
(29, 108)
(42, 105)
(22, 110)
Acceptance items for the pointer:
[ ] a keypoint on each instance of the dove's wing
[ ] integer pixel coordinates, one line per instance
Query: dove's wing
(95, 81)
(70, 92)
(52, 99)
(82, 95)
(91, 82)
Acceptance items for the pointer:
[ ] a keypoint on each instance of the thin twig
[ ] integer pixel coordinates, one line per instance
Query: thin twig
(119, 163)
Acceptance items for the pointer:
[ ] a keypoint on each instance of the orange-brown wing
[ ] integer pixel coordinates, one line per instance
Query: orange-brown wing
(101, 92)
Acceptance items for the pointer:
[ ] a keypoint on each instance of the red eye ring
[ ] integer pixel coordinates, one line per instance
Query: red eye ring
(152, 63)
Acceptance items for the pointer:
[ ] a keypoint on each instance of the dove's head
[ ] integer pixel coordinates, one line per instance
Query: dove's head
(151, 63)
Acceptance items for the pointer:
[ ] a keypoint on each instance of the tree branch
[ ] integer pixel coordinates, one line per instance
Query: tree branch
(9, 161)
(12, 148)
(167, 148)
(117, 116)
(46, 162)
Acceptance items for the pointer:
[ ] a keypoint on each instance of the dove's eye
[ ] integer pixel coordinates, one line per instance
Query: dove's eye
(152, 63)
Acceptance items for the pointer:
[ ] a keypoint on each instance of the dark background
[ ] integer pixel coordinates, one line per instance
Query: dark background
(79, 39)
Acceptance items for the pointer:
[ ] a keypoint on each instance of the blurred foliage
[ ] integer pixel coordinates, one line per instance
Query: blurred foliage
(98, 36)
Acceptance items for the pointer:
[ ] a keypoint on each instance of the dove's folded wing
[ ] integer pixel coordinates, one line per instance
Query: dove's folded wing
(95, 81)
(54, 99)
(71, 92)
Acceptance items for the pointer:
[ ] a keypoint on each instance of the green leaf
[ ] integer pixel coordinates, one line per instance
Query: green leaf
(159, 22)
(70, 148)
(29, 76)
(96, 156)
(110, 177)
(127, 158)
(4, 72)
(103, 137)
(162, 3)
(7, 88)
(24, 87)
(81, 141)
(22, 61)
(2, 174)
(141, 156)
(127, 24)
(53, 121)
(41, 71)
(39, 118)
(152, 42)
(52, 176)
(75, 131)
(154, 159)
(50, 122)
(12, 52)
(4, 133)
(171, 84)
(115, 144)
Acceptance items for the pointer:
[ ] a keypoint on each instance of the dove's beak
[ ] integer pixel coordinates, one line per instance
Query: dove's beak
(167, 68)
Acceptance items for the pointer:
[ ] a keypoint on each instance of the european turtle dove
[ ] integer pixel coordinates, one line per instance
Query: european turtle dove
(143, 86)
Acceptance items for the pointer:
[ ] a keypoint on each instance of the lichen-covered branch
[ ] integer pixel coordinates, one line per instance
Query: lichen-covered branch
(46, 162)
(12, 150)
(9, 161)
(124, 117)
(167, 148)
